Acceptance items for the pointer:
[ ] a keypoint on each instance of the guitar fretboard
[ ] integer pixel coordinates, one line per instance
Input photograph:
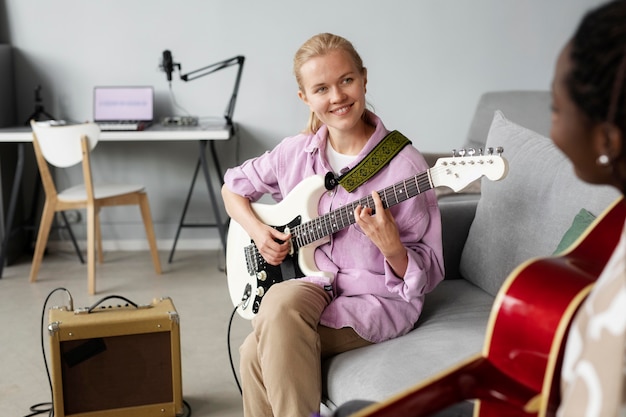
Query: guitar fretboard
(327, 224)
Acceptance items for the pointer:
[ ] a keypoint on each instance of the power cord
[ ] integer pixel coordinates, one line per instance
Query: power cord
(175, 102)
(48, 407)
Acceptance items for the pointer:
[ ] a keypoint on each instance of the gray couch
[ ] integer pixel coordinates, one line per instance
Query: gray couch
(486, 236)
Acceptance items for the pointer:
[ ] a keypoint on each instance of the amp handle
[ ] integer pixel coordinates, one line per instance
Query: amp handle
(90, 309)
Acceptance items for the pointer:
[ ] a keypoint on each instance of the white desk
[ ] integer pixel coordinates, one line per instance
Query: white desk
(204, 133)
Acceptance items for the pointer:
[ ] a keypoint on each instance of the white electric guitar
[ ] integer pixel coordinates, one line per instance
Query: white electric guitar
(250, 277)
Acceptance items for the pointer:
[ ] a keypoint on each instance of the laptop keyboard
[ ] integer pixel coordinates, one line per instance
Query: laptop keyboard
(122, 126)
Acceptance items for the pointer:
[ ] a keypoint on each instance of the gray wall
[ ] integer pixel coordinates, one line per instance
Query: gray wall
(428, 61)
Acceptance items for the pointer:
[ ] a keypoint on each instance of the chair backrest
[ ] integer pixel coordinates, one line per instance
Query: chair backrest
(61, 145)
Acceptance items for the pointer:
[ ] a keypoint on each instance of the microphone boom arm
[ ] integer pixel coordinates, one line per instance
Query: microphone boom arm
(210, 69)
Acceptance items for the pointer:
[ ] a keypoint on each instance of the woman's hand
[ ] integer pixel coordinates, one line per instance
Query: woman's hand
(272, 244)
(381, 228)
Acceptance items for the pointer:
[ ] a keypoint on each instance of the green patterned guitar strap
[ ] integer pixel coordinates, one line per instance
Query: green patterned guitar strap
(374, 161)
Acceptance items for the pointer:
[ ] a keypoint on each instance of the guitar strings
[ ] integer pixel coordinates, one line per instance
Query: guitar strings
(324, 225)
(338, 219)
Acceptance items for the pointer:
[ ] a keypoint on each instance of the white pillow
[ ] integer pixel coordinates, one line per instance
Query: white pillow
(525, 214)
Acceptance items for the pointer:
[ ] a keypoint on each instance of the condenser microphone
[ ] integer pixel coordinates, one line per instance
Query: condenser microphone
(167, 64)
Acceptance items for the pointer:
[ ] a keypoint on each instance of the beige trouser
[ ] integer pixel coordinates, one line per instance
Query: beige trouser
(280, 360)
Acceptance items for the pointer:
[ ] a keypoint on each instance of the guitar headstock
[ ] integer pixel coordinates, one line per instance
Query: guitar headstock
(465, 166)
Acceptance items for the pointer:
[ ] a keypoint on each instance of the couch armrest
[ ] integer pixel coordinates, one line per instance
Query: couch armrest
(457, 214)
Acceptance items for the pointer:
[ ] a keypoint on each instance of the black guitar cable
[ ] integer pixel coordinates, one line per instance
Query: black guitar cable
(244, 299)
(48, 407)
(230, 356)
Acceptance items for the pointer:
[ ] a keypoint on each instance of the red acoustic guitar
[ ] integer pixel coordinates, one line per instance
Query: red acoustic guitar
(518, 372)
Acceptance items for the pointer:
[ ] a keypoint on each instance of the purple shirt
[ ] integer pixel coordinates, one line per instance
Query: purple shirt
(367, 295)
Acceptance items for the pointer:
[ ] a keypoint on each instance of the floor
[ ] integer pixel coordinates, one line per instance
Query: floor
(195, 283)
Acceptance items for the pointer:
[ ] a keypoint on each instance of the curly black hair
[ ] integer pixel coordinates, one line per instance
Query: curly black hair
(598, 50)
(596, 80)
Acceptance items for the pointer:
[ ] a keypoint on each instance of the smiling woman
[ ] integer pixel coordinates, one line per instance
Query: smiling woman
(377, 270)
(335, 93)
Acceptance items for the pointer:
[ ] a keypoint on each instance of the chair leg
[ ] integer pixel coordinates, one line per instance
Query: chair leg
(42, 239)
(91, 249)
(144, 205)
(99, 249)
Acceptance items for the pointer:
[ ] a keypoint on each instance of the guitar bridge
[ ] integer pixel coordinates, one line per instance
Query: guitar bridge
(252, 259)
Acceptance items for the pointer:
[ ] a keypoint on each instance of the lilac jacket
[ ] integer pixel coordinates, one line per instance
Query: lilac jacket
(367, 295)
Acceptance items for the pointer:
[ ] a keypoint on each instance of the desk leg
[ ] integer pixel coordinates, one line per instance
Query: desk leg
(8, 227)
(221, 227)
(203, 163)
(181, 223)
(216, 161)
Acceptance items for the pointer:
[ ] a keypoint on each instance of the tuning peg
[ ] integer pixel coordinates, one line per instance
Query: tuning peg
(471, 151)
(481, 151)
(461, 152)
(489, 151)
(499, 149)
(453, 153)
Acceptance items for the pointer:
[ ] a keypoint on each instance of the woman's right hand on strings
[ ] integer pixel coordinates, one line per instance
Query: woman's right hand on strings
(272, 244)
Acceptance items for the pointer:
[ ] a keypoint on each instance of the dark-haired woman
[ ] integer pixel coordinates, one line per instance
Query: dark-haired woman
(589, 126)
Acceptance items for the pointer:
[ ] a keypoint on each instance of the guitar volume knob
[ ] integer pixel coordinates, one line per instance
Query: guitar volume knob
(261, 275)
(260, 292)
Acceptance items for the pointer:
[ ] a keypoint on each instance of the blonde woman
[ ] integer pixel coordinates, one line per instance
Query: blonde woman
(382, 265)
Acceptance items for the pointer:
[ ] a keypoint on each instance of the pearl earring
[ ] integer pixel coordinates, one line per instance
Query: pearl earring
(603, 160)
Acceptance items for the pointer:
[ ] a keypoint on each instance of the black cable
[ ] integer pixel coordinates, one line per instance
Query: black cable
(230, 356)
(186, 410)
(41, 408)
(109, 297)
(46, 407)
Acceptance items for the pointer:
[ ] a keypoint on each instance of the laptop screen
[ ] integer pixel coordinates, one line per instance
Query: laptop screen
(116, 104)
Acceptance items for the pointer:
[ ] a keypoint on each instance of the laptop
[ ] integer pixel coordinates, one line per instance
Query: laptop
(123, 108)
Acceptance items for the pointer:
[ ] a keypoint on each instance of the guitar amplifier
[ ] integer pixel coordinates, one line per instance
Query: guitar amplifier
(121, 360)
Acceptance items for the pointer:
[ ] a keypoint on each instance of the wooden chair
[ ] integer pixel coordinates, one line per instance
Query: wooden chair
(65, 146)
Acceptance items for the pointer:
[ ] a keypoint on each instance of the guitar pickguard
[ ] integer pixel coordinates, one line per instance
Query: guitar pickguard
(266, 274)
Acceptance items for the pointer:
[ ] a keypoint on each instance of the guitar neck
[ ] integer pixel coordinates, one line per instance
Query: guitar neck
(338, 219)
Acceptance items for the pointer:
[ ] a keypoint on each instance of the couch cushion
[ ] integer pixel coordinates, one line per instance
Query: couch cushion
(526, 214)
(450, 329)
(529, 108)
